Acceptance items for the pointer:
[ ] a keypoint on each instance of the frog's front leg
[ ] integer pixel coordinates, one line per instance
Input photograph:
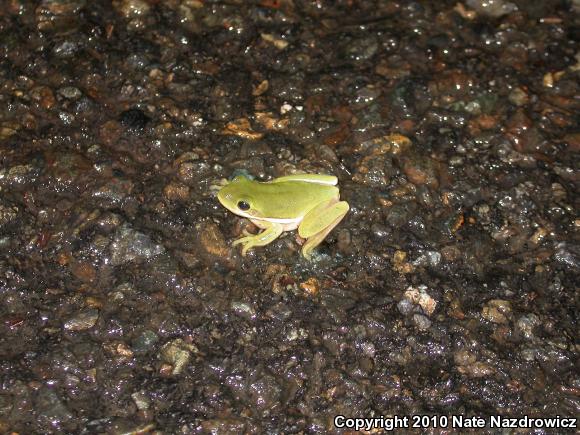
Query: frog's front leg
(218, 185)
(320, 221)
(271, 232)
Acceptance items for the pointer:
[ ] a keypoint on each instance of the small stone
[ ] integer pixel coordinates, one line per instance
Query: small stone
(310, 286)
(56, 14)
(7, 214)
(18, 175)
(422, 322)
(568, 255)
(421, 170)
(519, 97)
(130, 245)
(70, 93)
(400, 263)
(464, 357)
(241, 127)
(8, 129)
(113, 193)
(44, 96)
(141, 400)
(368, 349)
(83, 271)
(420, 296)
(261, 88)
(492, 8)
(380, 231)
(526, 324)
(450, 253)
(212, 240)
(296, 334)
(468, 364)
(344, 240)
(177, 354)
(538, 236)
(132, 8)
(243, 310)
(224, 425)
(478, 369)
(362, 49)
(405, 306)
(456, 161)
(497, 311)
(270, 122)
(429, 258)
(66, 49)
(83, 320)
(528, 354)
(176, 192)
(145, 341)
(51, 410)
(279, 43)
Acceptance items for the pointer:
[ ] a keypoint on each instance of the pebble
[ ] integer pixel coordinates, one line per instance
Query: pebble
(405, 307)
(422, 322)
(497, 311)
(145, 341)
(492, 8)
(244, 310)
(141, 400)
(70, 92)
(177, 354)
(132, 8)
(51, 410)
(129, 245)
(526, 324)
(82, 320)
(7, 214)
(419, 295)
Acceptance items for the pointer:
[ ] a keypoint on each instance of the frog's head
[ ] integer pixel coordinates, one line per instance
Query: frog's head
(236, 197)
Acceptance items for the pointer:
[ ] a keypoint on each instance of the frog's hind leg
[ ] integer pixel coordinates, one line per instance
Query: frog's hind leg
(271, 233)
(319, 222)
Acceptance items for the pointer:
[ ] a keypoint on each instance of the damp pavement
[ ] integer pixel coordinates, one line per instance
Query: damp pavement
(450, 288)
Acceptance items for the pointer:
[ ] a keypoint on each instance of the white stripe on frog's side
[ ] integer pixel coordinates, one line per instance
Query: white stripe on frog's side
(286, 224)
(275, 220)
(327, 180)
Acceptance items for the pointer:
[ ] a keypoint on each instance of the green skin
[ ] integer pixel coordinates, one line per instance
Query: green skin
(309, 202)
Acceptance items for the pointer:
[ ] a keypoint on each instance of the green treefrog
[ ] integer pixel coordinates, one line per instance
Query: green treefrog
(307, 202)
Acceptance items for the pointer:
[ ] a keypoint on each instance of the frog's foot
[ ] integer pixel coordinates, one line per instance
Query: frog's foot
(265, 237)
(246, 233)
(219, 184)
(319, 222)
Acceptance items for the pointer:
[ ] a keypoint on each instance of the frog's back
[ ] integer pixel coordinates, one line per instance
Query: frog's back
(291, 199)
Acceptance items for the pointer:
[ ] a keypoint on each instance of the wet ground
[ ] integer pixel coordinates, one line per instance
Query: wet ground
(450, 288)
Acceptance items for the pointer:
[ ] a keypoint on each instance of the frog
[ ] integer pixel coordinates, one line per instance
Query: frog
(309, 203)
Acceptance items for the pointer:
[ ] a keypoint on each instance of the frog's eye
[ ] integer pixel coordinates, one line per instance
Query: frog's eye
(243, 205)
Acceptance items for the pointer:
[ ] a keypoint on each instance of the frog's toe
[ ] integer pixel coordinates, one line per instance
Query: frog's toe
(247, 243)
(246, 248)
(243, 240)
(261, 239)
(219, 184)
